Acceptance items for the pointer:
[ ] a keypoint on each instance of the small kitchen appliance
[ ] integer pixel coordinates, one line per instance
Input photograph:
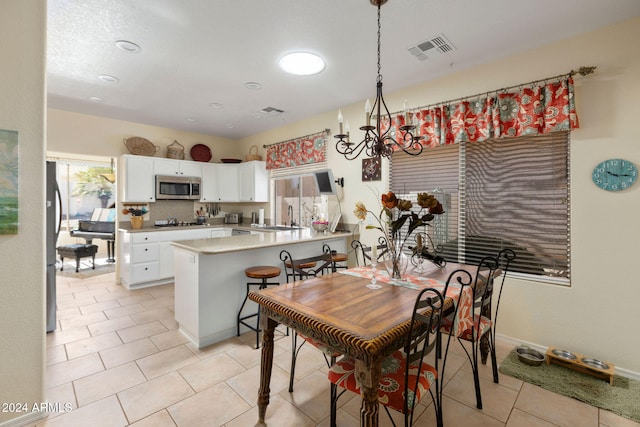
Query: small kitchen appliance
(233, 218)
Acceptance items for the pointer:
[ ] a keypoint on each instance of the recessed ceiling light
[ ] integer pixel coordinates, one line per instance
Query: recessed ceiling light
(109, 79)
(229, 126)
(256, 115)
(253, 85)
(95, 99)
(191, 119)
(128, 46)
(302, 63)
(216, 105)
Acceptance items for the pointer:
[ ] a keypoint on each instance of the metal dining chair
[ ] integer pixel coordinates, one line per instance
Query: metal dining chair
(406, 367)
(365, 252)
(485, 315)
(300, 269)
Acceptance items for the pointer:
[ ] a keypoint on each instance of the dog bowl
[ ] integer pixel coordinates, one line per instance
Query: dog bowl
(564, 354)
(530, 356)
(595, 363)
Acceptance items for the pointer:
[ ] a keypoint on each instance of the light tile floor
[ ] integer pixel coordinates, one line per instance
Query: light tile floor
(118, 359)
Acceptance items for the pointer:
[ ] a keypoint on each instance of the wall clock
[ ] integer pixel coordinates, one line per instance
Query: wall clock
(371, 169)
(615, 174)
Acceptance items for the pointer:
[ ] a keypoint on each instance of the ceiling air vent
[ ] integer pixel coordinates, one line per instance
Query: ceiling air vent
(438, 44)
(271, 111)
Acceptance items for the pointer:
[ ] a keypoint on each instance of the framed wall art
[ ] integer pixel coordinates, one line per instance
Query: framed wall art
(371, 169)
(8, 182)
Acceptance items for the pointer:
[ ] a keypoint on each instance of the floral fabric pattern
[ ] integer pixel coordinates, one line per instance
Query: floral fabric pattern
(301, 151)
(462, 296)
(530, 111)
(391, 387)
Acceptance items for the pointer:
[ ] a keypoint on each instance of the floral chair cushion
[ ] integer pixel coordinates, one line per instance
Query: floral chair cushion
(391, 389)
(481, 325)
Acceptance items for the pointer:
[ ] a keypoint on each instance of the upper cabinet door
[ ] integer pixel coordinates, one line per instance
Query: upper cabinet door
(254, 181)
(220, 183)
(177, 167)
(136, 181)
(227, 182)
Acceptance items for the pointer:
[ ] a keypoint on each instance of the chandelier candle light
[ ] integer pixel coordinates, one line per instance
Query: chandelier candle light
(378, 142)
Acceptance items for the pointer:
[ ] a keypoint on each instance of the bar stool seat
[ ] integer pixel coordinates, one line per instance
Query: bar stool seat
(338, 257)
(262, 273)
(302, 265)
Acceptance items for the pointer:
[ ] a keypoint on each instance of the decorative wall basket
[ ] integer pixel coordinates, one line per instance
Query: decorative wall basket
(140, 146)
(253, 154)
(175, 151)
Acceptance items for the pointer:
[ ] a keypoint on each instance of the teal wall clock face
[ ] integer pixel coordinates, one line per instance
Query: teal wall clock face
(615, 174)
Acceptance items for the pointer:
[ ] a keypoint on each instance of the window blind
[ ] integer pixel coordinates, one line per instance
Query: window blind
(501, 193)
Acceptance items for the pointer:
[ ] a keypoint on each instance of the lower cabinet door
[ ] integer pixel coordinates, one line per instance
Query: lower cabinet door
(144, 272)
(144, 252)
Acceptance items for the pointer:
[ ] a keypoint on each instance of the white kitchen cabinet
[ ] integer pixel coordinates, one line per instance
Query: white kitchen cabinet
(136, 182)
(208, 187)
(177, 167)
(139, 255)
(147, 257)
(220, 182)
(166, 248)
(254, 181)
(227, 180)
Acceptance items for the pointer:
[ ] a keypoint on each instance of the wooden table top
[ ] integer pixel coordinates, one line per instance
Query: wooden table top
(339, 310)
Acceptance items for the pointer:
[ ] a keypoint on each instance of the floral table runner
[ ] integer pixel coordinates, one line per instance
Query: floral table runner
(464, 318)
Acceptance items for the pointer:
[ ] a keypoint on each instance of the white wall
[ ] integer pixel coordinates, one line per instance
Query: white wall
(22, 265)
(593, 315)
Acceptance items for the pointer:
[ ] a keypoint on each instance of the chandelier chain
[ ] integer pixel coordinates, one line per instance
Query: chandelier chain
(379, 140)
(379, 32)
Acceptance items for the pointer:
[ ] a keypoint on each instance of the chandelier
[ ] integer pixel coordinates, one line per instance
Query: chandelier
(377, 142)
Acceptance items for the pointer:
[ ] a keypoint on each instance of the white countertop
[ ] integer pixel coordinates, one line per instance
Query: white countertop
(125, 226)
(219, 245)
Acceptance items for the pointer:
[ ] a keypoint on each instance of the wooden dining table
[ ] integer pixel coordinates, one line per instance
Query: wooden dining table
(340, 311)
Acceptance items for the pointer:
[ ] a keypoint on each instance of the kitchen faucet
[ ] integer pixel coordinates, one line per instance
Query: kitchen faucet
(290, 211)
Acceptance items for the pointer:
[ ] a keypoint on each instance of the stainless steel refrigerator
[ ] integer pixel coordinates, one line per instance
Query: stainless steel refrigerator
(54, 219)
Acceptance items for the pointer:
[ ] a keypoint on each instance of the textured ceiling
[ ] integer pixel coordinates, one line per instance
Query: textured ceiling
(198, 52)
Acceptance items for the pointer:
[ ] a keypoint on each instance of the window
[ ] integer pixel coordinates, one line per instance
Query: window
(296, 193)
(83, 188)
(503, 193)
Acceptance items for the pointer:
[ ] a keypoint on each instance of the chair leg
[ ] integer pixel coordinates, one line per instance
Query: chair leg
(494, 360)
(77, 264)
(476, 375)
(334, 404)
(294, 354)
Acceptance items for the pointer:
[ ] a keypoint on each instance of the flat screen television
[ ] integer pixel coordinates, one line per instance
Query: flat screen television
(325, 181)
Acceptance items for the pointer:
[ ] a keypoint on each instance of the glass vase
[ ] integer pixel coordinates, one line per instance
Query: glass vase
(395, 261)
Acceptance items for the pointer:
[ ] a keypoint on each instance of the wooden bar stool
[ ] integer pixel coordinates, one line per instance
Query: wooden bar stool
(262, 272)
(338, 257)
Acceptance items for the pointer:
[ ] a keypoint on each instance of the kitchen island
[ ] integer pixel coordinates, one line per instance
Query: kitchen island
(210, 283)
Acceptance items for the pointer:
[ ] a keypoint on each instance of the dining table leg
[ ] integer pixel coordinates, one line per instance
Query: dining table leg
(368, 375)
(268, 326)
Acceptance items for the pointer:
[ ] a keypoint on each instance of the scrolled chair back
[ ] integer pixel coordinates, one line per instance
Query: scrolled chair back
(303, 268)
(365, 252)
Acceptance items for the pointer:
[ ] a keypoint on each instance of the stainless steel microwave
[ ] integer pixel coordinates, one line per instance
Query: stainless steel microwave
(169, 187)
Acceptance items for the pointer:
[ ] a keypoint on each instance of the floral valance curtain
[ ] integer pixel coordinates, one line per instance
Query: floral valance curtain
(533, 110)
(298, 152)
